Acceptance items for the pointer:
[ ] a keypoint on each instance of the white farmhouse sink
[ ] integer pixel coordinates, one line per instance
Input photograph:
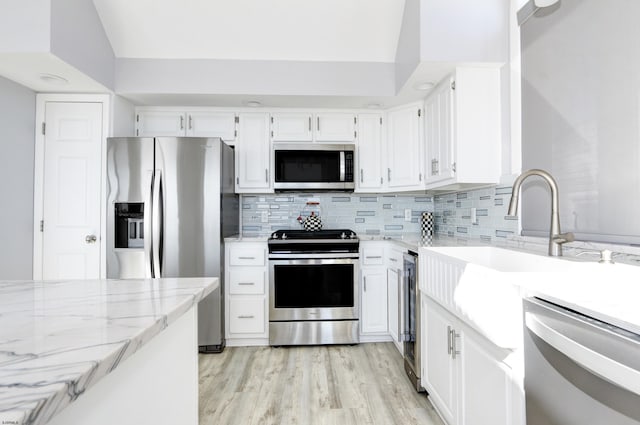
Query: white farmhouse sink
(483, 286)
(505, 260)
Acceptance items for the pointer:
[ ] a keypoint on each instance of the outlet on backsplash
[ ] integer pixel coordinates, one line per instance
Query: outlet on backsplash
(407, 214)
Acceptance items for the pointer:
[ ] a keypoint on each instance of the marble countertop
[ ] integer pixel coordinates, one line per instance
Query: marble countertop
(58, 338)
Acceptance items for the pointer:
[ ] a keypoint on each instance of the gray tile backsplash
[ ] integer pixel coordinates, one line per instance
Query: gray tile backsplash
(384, 214)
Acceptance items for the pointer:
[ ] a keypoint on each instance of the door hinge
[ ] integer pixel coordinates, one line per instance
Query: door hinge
(419, 112)
(237, 119)
(271, 120)
(453, 85)
(44, 128)
(380, 120)
(137, 132)
(453, 167)
(355, 120)
(355, 134)
(42, 225)
(235, 134)
(272, 134)
(137, 117)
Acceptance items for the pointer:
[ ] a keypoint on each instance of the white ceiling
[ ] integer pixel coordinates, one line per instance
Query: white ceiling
(292, 30)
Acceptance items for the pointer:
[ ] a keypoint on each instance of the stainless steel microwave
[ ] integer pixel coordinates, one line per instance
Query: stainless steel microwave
(313, 166)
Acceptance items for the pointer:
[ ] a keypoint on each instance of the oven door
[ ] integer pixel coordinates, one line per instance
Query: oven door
(313, 289)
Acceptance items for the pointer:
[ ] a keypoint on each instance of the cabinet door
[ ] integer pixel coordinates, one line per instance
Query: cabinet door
(291, 127)
(212, 124)
(374, 300)
(253, 153)
(439, 124)
(393, 304)
(439, 372)
(404, 148)
(160, 123)
(480, 368)
(369, 153)
(247, 315)
(335, 127)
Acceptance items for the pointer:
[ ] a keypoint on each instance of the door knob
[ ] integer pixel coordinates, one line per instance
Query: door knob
(90, 238)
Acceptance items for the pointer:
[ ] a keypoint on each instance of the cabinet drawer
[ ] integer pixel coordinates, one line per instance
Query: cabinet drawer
(246, 281)
(395, 259)
(372, 256)
(244, 256)
(246, 315)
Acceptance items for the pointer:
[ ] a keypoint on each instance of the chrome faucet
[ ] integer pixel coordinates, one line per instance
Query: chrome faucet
(556, 239)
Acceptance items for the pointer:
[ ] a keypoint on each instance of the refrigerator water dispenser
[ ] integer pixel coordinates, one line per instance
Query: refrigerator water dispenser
(129, 225)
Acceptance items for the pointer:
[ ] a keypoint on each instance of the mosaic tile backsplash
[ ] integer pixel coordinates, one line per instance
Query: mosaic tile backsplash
(384, 214)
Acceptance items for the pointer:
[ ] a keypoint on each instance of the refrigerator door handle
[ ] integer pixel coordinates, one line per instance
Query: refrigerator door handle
(148, 239)
(156, 228)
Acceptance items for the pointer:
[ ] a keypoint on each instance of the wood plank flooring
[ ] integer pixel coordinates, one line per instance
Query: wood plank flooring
(338, 384)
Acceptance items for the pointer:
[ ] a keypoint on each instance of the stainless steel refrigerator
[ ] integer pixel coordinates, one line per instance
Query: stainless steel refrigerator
(170, 204)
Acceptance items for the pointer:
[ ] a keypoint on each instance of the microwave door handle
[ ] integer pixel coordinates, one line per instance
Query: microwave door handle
(342, 166)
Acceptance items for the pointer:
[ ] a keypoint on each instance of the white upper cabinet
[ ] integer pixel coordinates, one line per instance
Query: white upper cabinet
(370, 158)
(308, 127)
(153, 123)
(253, 153)
(463, 129)
(291, 127)
(160, 123)
(335, 127)
(212, 124)
(405, 148)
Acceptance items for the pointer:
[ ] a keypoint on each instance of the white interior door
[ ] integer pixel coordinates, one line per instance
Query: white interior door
(72, 190)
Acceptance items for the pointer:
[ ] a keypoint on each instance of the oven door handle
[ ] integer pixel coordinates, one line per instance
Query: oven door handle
(589, 358)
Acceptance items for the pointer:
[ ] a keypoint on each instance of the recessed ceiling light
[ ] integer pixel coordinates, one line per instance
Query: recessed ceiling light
(374, 105)
(423, 86)
(54, 79)
(253, 103)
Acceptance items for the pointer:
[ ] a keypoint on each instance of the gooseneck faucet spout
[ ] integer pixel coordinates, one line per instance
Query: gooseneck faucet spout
(556, 239)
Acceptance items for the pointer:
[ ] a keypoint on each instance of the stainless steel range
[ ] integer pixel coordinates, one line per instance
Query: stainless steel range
(313, 290)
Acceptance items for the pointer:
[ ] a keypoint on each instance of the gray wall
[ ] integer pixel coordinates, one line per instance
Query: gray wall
(408, 50)
(78, 38)
(17, 124)
(123, 117)
(581, 118)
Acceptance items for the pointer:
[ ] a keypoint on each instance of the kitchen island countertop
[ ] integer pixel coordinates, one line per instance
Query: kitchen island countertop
(58, 338)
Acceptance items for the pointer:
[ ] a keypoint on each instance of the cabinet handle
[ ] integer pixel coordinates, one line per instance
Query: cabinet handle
(237, 180)
(364, 278)
(247, 258)
(381, 181)
(372, 256)
(181, 123)
(318, 126)
(395, 260)
(388, 174)
(266, 175)
(420, 177)
(190, 122)
(361, 175)
(246, 283)
(449, 345)
(309, 124)
(246, 317)
(454, 349)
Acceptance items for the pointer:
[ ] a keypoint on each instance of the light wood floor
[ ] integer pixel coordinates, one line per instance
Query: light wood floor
(361, 384)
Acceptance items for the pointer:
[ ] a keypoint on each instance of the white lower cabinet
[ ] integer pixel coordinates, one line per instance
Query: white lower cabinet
(246, 294)
(464, 373)
(373, 292)
(374, 301)
(394, 262)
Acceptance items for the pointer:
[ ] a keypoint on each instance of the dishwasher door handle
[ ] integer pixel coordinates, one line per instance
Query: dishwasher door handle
(615, 372)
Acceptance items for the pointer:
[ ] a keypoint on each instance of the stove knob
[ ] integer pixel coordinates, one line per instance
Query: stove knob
(352, 235)
(274, 236)
(284, 236)
(343, 236)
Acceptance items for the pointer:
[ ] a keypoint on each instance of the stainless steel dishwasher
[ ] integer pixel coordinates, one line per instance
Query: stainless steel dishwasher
(579, 370)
